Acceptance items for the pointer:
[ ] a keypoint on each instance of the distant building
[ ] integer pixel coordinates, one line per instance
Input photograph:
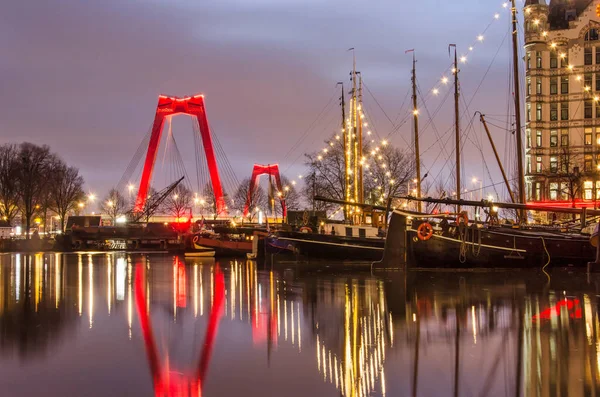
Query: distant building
(5, 229)
(562, 89)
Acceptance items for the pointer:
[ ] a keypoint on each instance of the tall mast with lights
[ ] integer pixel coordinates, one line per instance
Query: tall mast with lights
(520, 170)
(416, 127)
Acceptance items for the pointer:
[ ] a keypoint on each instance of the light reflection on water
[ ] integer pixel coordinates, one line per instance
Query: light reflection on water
(117, 324)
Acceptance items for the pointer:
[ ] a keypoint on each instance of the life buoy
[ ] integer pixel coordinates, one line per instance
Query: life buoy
(195, 239)
(424, 231)
(464, 217)
(305, 229)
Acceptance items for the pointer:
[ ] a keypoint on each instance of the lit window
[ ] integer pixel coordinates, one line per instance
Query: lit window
(553, 190)
(588, 109)
(588, 186)
(591, 35)
(587, 136)
(588, 162)
(587, 56)
(538, 138)
(553, 85)
(553, 138)
(553, 112)
(564, 137)
(564, 111)
(537, 193)
(564, 191)
(553, 164)
(538, 164)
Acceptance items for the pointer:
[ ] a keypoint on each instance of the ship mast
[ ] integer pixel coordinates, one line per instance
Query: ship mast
(359, 157)
(457, 126)
(353, 144)
(345, 136)
(517, 94)
(416, 125)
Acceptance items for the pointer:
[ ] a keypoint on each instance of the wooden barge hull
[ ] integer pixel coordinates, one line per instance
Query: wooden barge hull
(473, 248)
(321, 246)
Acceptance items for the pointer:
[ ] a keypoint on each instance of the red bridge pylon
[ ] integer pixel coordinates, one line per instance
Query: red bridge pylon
(168, 106)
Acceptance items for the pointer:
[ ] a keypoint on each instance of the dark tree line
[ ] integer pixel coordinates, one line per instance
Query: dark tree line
(34, 181)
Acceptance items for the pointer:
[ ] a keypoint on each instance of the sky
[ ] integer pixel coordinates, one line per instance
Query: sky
(84, 76)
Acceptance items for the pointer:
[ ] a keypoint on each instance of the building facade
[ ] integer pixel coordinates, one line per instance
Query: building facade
(562, 107)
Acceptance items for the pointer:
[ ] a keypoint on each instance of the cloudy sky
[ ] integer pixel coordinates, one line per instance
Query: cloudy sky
(84, 76)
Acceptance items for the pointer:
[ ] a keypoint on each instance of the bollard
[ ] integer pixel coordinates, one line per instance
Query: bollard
(594, 238)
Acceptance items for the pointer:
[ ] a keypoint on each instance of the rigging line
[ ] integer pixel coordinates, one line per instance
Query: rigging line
(370, 120)
(489, 67)
(497, 126)
(196, 152)
(232, 181)
(435, 130)
(448, 140)
(436, 111)
(402, 106)
(497, 120)
(463, 142)
(135, 160)
(229, 179)
(199, 160)
(179, 164)
(311, 125)
(167, 141)
(310, 144)
(377, 102)
(222, 157)
(479, 146)
(372, 123)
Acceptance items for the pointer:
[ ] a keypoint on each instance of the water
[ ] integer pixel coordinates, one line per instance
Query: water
(73, 325)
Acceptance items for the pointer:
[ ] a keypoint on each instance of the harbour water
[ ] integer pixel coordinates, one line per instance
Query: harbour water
(134, 325)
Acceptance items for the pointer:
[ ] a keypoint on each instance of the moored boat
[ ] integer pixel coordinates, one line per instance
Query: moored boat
(356, 243)
(446, 244)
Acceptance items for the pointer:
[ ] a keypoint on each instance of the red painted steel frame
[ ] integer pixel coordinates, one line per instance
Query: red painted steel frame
(257, 171)
(168, 106)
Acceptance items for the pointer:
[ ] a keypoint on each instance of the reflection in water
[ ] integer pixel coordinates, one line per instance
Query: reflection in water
(344, 334)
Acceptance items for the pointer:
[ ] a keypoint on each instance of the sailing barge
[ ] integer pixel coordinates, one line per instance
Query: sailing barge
(413, 241)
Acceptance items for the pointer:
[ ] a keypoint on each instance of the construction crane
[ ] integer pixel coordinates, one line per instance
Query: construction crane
(152, 203)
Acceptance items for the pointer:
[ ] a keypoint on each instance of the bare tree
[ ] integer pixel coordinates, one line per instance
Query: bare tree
(388, 175)
(208, 197)
(114, 204)
(32, 178)
(327, 172)
(179, 202)
(293, 199)
(312, 189)
(258, 199)
(9, 197)
(66, 191)
(437, 191)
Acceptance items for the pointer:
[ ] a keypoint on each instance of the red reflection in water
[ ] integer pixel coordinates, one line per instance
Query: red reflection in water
(572, 305)
(181, 282)
(166, 382)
